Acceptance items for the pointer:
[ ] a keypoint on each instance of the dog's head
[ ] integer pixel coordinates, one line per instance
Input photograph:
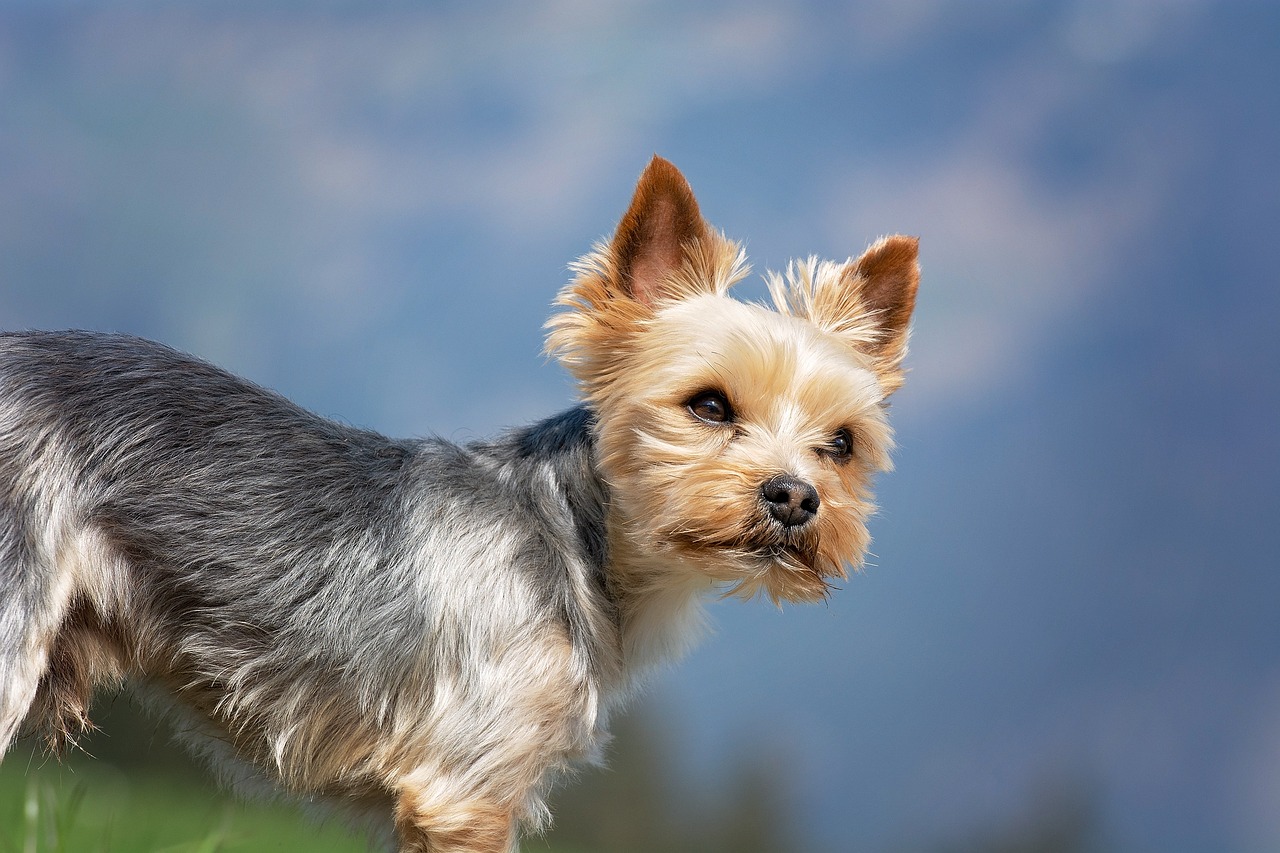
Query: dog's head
(738, 438)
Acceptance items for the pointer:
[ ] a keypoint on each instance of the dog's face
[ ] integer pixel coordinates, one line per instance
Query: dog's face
(740, 439)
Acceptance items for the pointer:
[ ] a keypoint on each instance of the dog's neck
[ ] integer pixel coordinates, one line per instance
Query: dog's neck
(652, 605)
(660, 602)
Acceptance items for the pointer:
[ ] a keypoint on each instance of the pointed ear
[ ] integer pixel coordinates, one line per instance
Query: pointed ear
(662, 222)
(662, 251)
(884, 280)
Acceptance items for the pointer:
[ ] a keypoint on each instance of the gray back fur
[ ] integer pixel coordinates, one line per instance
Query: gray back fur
(275, 558)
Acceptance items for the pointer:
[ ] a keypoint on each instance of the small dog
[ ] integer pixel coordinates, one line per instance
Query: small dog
(429, 629)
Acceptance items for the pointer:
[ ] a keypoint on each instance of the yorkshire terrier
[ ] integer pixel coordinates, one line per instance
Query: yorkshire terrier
(431, 630)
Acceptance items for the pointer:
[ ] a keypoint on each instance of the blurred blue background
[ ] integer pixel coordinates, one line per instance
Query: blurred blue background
(1074, 604)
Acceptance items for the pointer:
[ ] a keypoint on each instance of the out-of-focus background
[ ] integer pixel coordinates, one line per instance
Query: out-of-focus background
(1069, 635)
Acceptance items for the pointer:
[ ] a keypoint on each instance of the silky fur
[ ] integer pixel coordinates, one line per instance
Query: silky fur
(416, 630)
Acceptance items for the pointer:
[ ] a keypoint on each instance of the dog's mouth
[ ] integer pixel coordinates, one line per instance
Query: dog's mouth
(768, 544)
(786, 544)
(784, 567)
(765, 546)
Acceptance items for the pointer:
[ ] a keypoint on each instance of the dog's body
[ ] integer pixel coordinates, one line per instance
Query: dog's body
(328, 601)
(413, 623)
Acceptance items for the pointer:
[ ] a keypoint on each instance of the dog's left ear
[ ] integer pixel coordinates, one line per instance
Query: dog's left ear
(885, 279)
(871, 304)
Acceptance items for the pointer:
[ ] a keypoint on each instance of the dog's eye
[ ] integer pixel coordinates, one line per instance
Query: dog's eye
(712, 407)
(841, 446)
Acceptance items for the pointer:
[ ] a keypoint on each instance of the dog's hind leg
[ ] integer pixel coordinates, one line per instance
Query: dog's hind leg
(56, 583)
(31, 609)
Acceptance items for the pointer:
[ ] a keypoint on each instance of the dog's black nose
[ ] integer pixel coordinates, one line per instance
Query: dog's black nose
(791, 501)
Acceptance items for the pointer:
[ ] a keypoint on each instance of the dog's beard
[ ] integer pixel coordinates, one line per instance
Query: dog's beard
(763, 558)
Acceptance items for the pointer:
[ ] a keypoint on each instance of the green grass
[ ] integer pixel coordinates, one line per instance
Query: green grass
(89, 808)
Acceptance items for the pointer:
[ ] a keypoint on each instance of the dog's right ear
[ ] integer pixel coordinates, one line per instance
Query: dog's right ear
(661, 225)
(662, 251)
